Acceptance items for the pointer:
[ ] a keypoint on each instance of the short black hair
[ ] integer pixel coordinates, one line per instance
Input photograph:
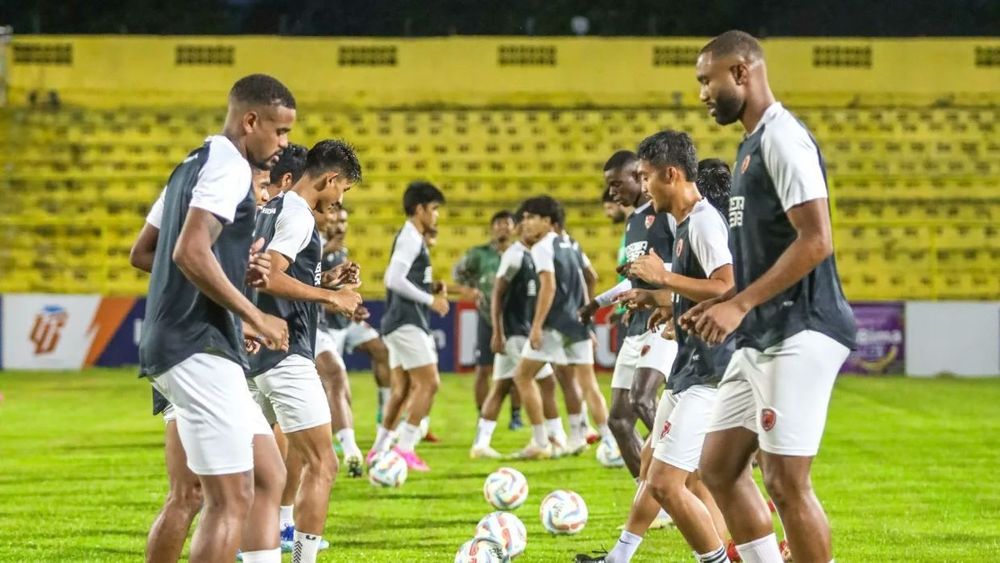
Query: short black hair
(333, 154)
(670, 148)
(619, 160)
(606, 197)
(735, 42)
(714, 183)
(420, 193)
(501, 215)
(543, 206)
(293, 161)
(263, 90)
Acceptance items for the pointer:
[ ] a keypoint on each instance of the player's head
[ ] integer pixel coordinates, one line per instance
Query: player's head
(621, 177)
(261, 113)
(612, 209)
(261, 185)
(335, 224)
(421, 202)
(539, 216)
(289, 168)
(331, 169)
(727, 69)
(714, 182)
(502, 226)
(667, 161)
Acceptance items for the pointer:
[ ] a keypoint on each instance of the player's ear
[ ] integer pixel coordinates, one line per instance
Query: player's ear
(250, 119)
(740, 72)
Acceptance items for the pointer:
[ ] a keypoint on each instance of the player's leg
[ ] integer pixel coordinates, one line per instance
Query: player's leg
(379, 356)
(262, 528)
(286, 513)
(333, 375)
(794, 384)
(484, 361)
(581, 356)
(621, 418)
(184, 499)
(573, 398)
(697, 486)
(645, 388)
(515, 410)
(524, 379)
(503, 380)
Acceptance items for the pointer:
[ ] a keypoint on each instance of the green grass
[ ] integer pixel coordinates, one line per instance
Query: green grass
(908, 472)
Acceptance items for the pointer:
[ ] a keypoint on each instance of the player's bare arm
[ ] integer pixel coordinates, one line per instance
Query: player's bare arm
(498, 340)
(543, 303)
(284, 286)
(144, 248)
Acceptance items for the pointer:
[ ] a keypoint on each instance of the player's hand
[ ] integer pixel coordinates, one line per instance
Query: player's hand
(587, 312)
(272, 331)
(688, 319)
(623, 270)
(719, 321)
(344, 300)
(498, 342)
(439, 288)
(660, 316)
(649, 268)
(535, 338)
(641, 299)
(259, 265)
(440, 305)
(345, 273)
(251, 346)
(361, 314)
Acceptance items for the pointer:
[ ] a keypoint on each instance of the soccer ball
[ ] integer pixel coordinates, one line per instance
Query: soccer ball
(506, 528)
(506, 488)
(388, 469)
(563, 512)
(609, 456)
(485, 549)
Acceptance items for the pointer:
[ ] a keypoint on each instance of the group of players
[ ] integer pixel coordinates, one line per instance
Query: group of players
(732, 299)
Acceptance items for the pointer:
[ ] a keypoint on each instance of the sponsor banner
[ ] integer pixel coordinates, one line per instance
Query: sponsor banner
(880, 340)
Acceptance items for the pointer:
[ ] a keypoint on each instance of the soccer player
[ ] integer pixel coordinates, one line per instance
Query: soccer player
(475, 274)
(701, 269)
(406, 326)
(793, 325)
(633, 390)
(191, 347)
(512, 307)
(288, 379)
(617, 213)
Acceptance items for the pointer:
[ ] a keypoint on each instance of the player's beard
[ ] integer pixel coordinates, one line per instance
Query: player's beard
(728, 108)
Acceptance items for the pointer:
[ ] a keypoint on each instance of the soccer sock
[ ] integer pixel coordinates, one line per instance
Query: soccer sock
(605, 433)
(408, 437)
(346, 438)
(484, 433)
(383, 400)
(576, 425)
(541, 436)
(515, 412)
(306, 548)
(554, 429)
(761, 550)
(717, 556)
(265, 556)
(625, 548)
(425, 425)
(383, 440)
(285, 516)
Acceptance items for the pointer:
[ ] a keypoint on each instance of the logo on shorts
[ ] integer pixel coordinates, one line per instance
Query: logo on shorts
(645, 350)
(767, 419)
(745, 164)
(666, 430)
(649, 220)
(47, 328)
(679, 248)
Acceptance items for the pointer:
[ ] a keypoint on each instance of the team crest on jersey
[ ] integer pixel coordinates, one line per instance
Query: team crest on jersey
(679, 247)
(666, 430)
(649, 220)
(645, 350)
(767, 419)
(745, 164)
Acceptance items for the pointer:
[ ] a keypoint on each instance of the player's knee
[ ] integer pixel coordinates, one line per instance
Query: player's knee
(784, 486)
(644, 407)
(666, 491)
(186, 497)
(619, 425)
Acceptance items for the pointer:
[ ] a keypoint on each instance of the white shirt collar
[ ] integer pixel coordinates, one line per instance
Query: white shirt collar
(642, 207)
(770, 113)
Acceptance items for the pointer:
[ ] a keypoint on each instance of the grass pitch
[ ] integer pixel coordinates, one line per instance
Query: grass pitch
(908, 472)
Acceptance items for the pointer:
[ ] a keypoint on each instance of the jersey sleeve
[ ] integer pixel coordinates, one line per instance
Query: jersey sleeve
(510, 263)
(407, 248)
(223, 183)
(155, 215)
(792, 160)
(543, 256)
(465, 270)
(292, 231)
(709, 236)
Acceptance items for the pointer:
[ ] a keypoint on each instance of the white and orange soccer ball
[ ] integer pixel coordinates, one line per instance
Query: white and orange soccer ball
(506, 528)
(505, 489)
(485, 549)
(563, 512)
(388, 469)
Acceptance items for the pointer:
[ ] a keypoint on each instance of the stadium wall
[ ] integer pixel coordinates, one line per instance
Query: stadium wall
(70, 332)
(109, 71)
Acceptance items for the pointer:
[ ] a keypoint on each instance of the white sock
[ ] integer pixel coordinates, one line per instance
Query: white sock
(625, 548)
(554, 428)
(305, 549)
(484, 433)
(576, 426)
(761, 550)
(285, 517)
(425, 425)
(541, 437)
(383, 399)
(265, 556)
(383, 439)
(605, 433)
(717, 556)
(408, 437)
(346, 439)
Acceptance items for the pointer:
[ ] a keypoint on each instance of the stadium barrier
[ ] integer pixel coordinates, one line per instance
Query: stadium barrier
(69, 332)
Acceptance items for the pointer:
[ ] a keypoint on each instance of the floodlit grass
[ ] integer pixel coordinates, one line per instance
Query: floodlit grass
(908, 472)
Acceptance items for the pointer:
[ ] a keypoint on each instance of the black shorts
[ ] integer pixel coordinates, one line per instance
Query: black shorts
(484, 332)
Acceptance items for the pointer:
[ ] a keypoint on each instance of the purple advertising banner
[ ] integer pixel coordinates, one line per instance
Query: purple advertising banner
(880, 340)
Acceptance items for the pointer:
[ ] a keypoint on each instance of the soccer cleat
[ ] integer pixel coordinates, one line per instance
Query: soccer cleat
(484, 452)
(595, 557)
(576, 446)
(413, 461)
(355, 464)
(531, 451)
(662, 520)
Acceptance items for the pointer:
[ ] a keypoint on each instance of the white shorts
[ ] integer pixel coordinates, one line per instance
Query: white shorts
(681, 424)
(294, 391)
(353, 336)
(556, 350)
(410, 347)
(326, 343)
(657, 352)
(216, 416)
(505, 364)
(782, 393)
(625, 363)
(266, 408)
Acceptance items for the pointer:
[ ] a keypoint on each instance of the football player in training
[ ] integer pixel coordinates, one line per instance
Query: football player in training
(288, 380)
(406, 324)
(793, 326)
